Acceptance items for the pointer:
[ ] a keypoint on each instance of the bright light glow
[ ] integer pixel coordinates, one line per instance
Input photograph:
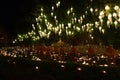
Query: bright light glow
(41, 9)
(96, 10)
(91, 9)
(71, 9)
(116, 7)
(62, 66)
(108, 23)
(79, 69)
(68, 12)
(101, 13)
(107, 7)
(74, 24)
(109, 16)
(115, 23)
(52, 8)
(103, 31)
(36, 67)
(51, 13)
(104, 72)
(100, 17)
(119, 20)
(100, 28)
(58, 4)
(114, 15)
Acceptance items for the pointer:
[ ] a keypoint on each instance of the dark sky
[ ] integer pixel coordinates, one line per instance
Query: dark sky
(12, 14)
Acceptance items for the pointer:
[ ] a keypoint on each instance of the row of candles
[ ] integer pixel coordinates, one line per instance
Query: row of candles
(61, 57)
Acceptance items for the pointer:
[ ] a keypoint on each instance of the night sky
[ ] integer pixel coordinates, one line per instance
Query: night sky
(16, 15)
(13, 15)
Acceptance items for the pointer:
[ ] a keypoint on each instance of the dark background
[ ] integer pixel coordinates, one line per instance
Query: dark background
(13, 14)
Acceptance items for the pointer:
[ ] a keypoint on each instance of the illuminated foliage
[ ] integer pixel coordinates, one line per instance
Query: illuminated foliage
(50, 24)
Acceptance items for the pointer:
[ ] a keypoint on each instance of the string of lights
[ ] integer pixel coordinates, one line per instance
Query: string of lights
(44, 27)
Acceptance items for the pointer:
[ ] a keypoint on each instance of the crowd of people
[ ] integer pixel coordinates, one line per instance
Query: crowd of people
(85, 54)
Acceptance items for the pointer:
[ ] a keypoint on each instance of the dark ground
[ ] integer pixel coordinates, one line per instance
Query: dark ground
(20, 69)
